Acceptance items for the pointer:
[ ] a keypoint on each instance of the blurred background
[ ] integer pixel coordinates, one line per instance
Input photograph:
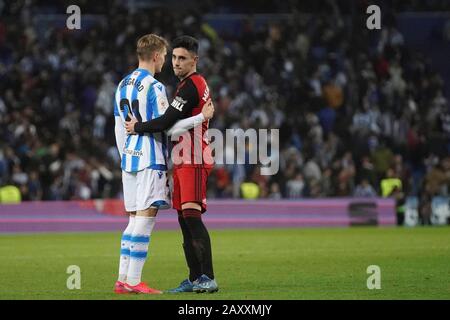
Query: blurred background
(362, 113)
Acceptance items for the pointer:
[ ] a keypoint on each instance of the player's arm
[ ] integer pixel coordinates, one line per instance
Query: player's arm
(184, 125)
(185, 100)
(119, 130)
(159, 124)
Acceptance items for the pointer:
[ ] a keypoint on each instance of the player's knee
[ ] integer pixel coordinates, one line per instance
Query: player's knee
(192, 213)
(191, 205)
(131, 213)
(149, 212)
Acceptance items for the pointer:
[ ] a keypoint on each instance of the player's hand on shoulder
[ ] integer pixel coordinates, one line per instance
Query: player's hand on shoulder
(208, 109)
(129, 125)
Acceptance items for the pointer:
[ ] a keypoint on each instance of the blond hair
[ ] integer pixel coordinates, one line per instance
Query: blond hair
(149, 44)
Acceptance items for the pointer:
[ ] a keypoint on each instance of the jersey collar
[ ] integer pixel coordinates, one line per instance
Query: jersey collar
(194, 73)
(145, 71)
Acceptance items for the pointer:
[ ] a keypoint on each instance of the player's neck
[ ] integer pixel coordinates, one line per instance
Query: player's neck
(187, 75)
(150, 67)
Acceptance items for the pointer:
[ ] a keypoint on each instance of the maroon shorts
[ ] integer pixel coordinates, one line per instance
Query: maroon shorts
(189, 185)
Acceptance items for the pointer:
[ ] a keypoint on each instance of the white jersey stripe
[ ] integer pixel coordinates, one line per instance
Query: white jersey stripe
(138, 94)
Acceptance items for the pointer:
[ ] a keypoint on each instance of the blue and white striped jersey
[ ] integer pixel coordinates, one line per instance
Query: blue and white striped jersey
(145, 98)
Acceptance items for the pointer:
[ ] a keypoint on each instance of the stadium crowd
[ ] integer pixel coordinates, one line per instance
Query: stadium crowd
(354, 107)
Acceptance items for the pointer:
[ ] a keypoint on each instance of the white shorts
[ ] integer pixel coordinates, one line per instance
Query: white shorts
(144, 189)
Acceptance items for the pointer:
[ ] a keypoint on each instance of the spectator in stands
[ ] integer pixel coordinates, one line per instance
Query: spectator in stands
(249, 190)
(391, 186)
(275, 192)
(295, 187)
(365, 190)
(9, 194)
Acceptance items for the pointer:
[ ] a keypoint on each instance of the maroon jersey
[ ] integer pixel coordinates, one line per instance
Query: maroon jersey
(190, 96)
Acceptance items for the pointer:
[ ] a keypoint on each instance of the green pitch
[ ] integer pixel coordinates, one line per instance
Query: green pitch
(249, 264)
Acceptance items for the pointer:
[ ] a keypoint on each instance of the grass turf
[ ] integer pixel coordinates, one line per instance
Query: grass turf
(280, 264)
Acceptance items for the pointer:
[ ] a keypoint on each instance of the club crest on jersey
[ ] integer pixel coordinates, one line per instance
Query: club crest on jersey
(160, 174)
(178, 103)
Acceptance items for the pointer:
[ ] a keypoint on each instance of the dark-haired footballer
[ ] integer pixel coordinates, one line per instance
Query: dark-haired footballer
(190, 173)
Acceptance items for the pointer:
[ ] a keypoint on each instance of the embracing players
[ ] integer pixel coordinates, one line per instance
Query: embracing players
(190, 170)
(143, 158)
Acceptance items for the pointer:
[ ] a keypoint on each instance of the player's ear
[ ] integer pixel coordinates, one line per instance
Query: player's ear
(155, 56)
